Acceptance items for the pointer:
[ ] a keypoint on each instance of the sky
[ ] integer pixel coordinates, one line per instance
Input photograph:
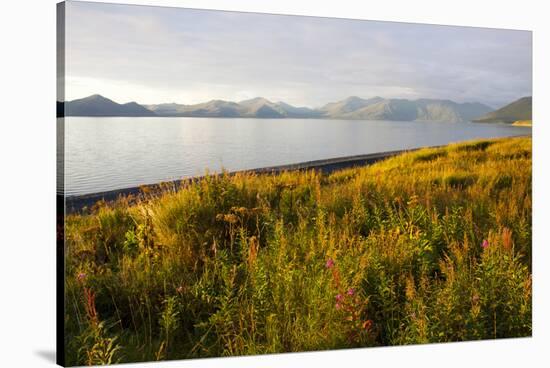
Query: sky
(161, 55)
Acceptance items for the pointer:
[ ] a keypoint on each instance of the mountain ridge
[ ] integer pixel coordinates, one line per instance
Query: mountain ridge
(351, 108)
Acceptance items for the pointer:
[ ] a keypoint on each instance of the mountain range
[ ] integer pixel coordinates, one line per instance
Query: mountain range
(254, 108)
(516, 111)
(351, 108)
(378, 108)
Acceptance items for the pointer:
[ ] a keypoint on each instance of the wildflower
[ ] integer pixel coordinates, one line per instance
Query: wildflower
(81, 276)
(330, 263)
(338, 306)
(339, 297)
(485, 244)
(351, 291)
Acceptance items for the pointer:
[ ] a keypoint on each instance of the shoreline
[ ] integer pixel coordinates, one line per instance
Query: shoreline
(76, 203)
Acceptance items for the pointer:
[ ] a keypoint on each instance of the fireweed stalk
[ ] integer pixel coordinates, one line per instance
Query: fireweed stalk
(352, 308)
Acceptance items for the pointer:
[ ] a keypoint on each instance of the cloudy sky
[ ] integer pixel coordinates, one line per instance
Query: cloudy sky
(157, 54)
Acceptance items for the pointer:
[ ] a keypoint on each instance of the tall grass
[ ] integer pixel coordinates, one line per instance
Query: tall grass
(430, 246)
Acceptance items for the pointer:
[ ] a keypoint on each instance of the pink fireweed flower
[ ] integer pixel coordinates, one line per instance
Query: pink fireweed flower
(351, 291)
(330, 263)
(339, 297)
(485, 243)
(81, 276)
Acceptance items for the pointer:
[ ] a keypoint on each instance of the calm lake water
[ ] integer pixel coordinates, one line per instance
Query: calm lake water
(112, 153)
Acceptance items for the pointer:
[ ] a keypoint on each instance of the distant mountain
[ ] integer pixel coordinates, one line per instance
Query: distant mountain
(166, 109)
(258, 107)
(518, 110)
(347, 106)
(262, 108)
(352, 108)
(213, 108)
(377, 108)
(298, 112)
(97, 105)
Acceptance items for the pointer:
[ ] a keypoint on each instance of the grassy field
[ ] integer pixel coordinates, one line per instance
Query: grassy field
(430, 246)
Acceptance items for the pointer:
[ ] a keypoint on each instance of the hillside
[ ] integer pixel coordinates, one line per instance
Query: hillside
(519, 110)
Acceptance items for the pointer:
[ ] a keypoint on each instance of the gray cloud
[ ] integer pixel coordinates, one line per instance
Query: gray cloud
(156, 54)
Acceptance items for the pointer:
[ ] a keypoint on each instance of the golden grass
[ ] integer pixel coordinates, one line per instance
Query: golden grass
(527, 123)
(429, 246)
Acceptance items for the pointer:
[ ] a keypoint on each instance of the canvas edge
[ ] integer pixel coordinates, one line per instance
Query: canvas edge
(60, 185)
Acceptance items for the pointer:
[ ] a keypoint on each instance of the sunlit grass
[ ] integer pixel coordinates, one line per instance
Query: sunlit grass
(429, 246)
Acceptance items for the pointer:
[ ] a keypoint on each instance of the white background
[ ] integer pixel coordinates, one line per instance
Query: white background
(27, 204)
